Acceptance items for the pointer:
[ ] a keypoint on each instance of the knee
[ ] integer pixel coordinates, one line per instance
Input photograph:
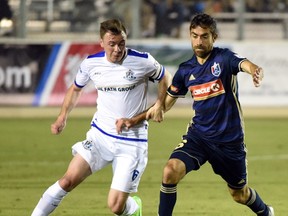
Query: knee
(115, 208)
(66, 184)
(174, 171)
(240, 195)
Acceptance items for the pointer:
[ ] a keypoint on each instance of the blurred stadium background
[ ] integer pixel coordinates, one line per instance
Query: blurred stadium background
(42, 43)
(237, 19)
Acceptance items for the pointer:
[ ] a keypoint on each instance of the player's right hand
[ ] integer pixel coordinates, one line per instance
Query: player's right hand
(156, 113)
(58, 126)
(123, 123)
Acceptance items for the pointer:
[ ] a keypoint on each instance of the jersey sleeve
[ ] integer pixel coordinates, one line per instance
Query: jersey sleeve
(156, 69)
(82, 76)
(178, 87)
(234, 61)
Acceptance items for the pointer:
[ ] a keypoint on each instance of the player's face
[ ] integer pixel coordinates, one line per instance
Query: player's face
(202, 42)
(114, 46)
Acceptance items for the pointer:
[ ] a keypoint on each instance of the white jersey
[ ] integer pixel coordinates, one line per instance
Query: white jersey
(122, 89)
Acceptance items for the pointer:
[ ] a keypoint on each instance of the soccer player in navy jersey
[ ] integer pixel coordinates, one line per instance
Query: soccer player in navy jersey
(216, 132)
(121, 77)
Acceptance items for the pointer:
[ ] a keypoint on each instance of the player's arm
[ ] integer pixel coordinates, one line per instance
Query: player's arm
(130, 122)
(70, 101)
(156, 112)
(254, 70)
(169, 102)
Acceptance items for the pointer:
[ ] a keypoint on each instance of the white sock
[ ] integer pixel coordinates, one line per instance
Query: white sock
(131, 207)
(49, 200)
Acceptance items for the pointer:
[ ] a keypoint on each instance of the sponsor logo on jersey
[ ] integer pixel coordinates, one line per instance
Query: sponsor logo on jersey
(207, 90)
(215, 69)
(129, 75)
(135, 174)
(115, 89)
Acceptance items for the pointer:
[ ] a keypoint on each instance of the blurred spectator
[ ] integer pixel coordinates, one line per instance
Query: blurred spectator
(279, 6)
(251, 6)
(217, 6)
(169, 15)
(84, 14)
(199, 7)
(159, 8)
(5, 10)
(147, 19)
(121, 9)
(5, 13)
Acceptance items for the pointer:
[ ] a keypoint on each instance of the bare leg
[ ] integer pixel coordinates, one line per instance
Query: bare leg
(77, 171)
(121, 203)
(248, 196)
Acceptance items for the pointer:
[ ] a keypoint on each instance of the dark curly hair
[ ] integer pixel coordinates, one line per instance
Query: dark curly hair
(204, 21)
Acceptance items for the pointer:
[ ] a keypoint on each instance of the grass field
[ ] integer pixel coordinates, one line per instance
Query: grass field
(31, 159)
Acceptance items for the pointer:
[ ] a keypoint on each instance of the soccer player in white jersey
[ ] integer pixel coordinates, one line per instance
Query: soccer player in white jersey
(120, 76)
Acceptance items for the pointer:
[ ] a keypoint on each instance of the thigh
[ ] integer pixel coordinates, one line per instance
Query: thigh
(128, 166)
(191, 151)
(229, 161)
(92, 150)
(77, 171)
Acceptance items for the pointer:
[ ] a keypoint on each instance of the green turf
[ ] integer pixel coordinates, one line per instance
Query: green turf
(31, 159)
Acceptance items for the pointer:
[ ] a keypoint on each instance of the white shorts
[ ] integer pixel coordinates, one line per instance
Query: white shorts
(128, 158)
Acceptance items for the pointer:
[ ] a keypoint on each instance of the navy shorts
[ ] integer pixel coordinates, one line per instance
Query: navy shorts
(228, 161)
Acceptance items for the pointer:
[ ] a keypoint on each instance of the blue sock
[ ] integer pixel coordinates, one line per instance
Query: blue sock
(168, 196)
(256, 204)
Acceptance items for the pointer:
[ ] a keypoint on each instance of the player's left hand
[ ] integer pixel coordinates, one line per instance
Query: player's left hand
(258, 76)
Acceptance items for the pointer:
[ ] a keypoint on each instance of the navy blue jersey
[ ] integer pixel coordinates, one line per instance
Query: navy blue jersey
(214, 89)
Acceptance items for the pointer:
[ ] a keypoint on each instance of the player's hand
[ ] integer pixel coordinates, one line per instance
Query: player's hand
(58, 126)
(123, 123)
(156, 113)
(258, 76)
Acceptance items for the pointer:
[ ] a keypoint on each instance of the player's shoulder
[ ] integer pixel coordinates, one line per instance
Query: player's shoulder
(226, 52)
(221, 50)
(92, 60)
(188, 63)
(136, 53)
(96, 55)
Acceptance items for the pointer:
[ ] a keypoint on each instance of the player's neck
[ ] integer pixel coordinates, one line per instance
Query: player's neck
(202, 60)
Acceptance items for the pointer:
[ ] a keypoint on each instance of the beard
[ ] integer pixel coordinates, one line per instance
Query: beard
(201, 51)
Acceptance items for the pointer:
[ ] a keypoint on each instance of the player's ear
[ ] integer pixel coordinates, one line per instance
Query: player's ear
(101, 43)
(215, 36)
